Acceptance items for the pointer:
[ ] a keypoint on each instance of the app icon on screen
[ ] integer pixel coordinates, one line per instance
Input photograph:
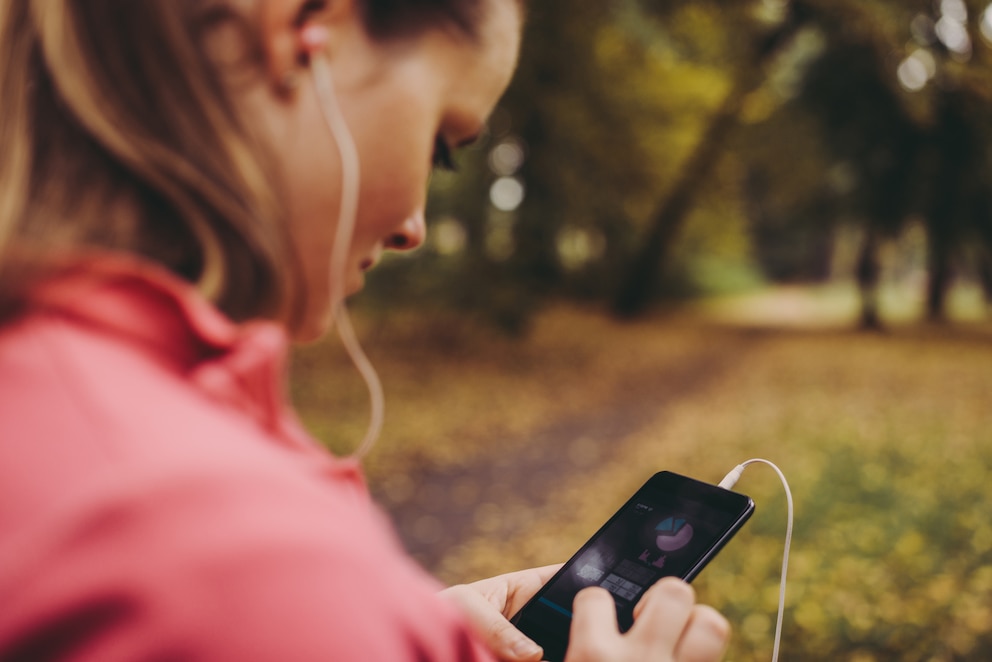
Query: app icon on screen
(670, 534)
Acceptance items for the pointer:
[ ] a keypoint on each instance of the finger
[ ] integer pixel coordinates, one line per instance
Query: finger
(544, 573)
(524, 584)
(509, 643)
(505, 640)
(705, 637)
(594, 629)
(663, 613)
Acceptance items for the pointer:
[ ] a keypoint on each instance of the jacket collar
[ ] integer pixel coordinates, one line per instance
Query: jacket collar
(243, 366)
(143, 303)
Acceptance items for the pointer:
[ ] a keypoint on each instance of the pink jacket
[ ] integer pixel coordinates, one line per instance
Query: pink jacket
(159, 500)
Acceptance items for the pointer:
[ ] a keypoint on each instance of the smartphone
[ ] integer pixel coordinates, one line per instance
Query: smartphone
(672, 526)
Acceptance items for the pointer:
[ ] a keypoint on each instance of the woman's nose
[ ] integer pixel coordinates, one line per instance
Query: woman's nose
(409, 235)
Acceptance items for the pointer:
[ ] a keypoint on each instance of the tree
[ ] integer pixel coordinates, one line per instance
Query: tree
(635, 115)
(636, 287)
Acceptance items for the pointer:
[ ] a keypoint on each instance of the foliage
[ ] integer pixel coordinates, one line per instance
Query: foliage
(892, 545)
(613, 101)
(593, 105)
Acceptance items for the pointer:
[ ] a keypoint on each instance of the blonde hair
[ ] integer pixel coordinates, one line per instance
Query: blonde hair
(118, 132)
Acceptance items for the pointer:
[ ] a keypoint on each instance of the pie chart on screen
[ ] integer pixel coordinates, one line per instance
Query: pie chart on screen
(673, 533)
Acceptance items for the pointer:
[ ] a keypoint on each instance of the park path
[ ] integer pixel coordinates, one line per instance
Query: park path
(492, 494)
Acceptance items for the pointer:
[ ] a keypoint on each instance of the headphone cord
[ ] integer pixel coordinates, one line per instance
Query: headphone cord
(347, 217)
(727, 483)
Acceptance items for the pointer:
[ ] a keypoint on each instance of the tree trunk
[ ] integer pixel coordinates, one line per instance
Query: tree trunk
(939, 260)
(867, 274)
(635, 289)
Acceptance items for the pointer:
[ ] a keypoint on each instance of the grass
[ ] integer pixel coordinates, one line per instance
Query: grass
(885, 438)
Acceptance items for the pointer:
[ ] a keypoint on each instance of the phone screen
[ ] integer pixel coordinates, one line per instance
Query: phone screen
(672, 526)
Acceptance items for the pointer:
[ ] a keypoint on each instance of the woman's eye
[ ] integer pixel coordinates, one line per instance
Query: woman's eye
(442, 159)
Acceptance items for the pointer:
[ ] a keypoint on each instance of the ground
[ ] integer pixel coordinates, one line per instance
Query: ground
(501, 454)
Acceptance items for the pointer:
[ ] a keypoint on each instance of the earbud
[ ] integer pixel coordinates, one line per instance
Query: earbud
(313, 40)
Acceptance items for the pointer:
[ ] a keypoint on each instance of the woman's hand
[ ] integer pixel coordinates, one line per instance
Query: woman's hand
(668, 627)
(489, 603)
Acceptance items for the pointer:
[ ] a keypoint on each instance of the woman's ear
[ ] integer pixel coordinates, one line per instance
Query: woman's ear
(292, 31)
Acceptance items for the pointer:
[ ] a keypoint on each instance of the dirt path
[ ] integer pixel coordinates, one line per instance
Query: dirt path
(501, 491)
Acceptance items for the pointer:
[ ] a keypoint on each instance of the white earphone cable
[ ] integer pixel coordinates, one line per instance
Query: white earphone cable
(347, 217)
(728, 482)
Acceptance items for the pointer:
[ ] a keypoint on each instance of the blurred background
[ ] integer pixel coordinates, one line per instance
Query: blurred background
(699, 231)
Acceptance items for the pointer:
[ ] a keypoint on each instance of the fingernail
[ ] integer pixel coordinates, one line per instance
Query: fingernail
(525, 648)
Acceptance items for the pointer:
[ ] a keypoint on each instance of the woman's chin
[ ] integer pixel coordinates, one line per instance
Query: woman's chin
(315, 325)
(311, 332)
(355, 284)
(320, 317)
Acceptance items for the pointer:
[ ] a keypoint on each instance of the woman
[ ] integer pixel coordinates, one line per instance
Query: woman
(175, 175)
